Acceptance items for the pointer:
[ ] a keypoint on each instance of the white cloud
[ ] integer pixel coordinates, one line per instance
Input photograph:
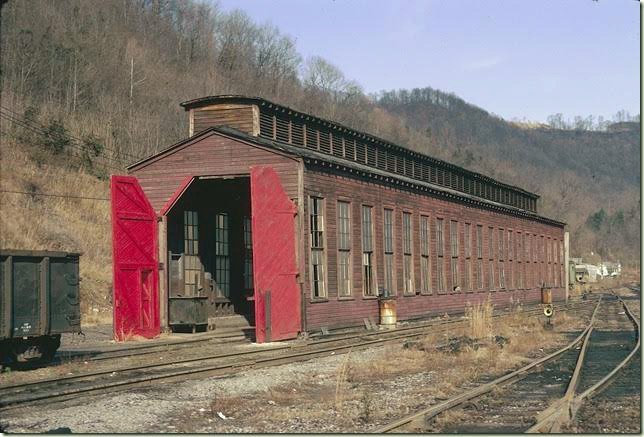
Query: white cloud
(482, 63)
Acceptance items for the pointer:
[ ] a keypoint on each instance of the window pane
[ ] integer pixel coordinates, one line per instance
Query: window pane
(317, 247)
(388, 231)
(407, 275)
(490, 242)
(454, 269)
(501, 245)
(424, 274)
(406, 232)
(424, 241)
(389, 268)
(344, 226)
(439, 237)
(367, 229)
(454, 237)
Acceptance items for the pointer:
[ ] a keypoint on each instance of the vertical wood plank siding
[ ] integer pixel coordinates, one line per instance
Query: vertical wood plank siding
(235, 116)
(335, 313)
(213, 155)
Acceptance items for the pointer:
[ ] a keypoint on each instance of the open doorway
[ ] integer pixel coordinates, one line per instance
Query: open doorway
(210, 255)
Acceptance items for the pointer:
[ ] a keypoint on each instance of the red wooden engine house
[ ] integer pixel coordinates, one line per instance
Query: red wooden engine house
(294, 223)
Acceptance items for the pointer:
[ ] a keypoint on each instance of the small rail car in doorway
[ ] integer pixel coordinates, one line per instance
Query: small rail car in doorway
(39, 301)
(295, 223)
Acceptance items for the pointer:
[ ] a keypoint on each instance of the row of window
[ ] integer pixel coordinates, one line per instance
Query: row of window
(278, 126)
(221, 261)
(515, 259)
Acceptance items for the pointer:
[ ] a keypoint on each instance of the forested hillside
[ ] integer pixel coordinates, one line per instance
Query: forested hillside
(90, 85)
(587, 178)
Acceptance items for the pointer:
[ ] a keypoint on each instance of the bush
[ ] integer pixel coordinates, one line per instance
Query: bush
(92, 145)
(56, 137)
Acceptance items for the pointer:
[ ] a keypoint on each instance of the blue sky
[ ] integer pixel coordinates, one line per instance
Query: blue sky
(518, 59)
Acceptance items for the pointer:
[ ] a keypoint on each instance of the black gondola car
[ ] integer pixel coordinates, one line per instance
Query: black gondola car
(39, 300)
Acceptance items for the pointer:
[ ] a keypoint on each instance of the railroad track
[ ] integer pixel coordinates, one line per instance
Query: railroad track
(69, 387)
(177, 346)
(170, 347)
(548, 391)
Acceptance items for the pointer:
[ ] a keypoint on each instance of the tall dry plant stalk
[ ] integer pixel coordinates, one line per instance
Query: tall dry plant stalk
(341, 381)
(480, 318)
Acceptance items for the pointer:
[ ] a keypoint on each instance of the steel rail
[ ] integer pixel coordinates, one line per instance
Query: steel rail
(437, 327)
(549, 420)
(563, 411)
(440, 326)
(146, 349)
(610, 376)
(259, 361)
(166, 347)
(485, 388)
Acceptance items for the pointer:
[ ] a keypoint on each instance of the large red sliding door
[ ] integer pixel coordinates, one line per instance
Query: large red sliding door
(134, 260)
(277, 295)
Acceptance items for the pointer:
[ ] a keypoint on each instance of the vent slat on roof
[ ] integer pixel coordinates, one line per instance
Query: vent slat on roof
(361, 153)
(424, 175)
(417, 170)
(336, 144)
(409, 167)
(303, 131)
(266, 125)
(381, 157)
(282, 130)
(400, 164)
(371, 155)
(325, 144)
(350, 149)
(297, 134)
(311, 138)
(391, 161)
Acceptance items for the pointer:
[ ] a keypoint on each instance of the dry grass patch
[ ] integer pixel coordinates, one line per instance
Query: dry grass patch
(59, 224)
(479, 317)
(394, 361)
(448, 417)
(361, 391)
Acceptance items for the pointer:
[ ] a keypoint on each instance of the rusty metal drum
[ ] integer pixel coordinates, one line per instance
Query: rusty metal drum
(546, 296)
(387, 307)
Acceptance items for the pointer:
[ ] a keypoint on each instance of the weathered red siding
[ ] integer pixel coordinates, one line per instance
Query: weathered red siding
(334, 312)
(235, 116)
(213, 155)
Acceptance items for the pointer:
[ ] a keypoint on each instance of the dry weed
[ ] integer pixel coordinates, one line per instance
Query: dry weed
(479, 316)
(449, 416)
(341, 381)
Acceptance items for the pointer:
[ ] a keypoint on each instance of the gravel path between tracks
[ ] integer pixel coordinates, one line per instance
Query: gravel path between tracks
(338, 393)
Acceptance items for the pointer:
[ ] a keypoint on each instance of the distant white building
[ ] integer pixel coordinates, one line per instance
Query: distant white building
(585, 273)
